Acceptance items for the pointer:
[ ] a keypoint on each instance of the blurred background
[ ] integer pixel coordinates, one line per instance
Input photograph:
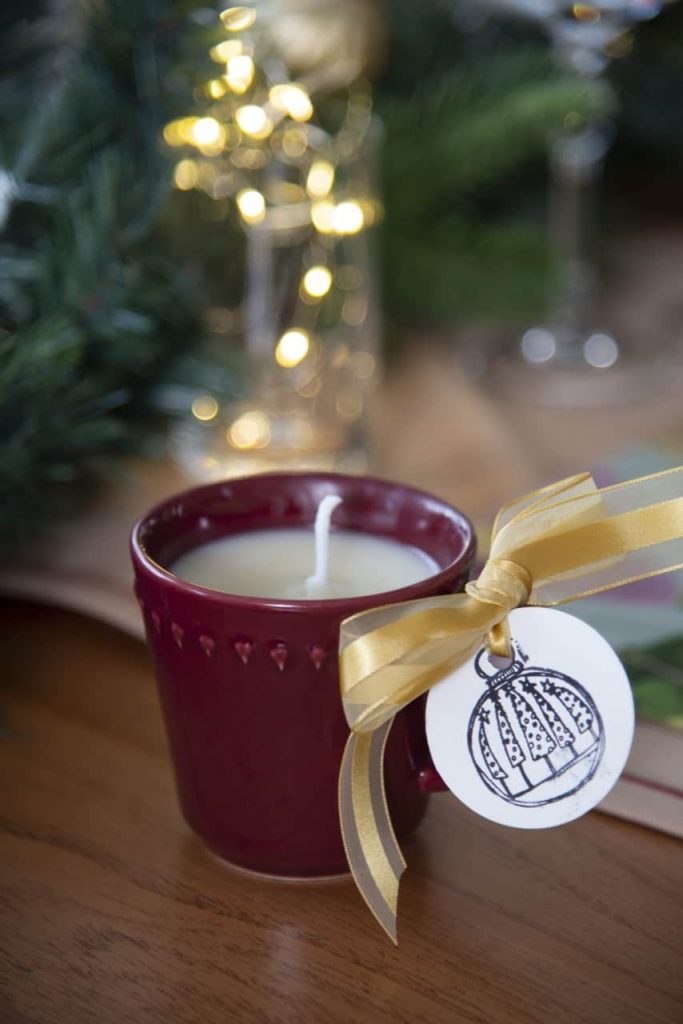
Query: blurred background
(439, 241)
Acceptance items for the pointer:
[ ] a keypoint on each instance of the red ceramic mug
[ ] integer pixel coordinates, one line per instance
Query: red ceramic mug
(250, 687)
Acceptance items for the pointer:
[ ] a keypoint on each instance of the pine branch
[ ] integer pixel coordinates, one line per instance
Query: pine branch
(91, 307)
(479, 125)
(465, 270)
(445, 256)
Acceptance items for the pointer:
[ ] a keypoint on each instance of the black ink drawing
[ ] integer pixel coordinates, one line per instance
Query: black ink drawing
(536, 736)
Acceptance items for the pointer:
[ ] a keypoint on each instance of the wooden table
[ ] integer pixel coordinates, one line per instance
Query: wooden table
(111, 911)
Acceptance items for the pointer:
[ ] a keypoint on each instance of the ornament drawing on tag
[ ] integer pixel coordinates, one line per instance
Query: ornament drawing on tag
(540, 739)
(536, 735)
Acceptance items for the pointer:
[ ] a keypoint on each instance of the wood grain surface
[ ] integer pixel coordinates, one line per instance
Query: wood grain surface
(112, 912)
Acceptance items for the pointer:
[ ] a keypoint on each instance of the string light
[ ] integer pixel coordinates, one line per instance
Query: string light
(293, 100)
(208, 135)
(215, 89)
(254, 121)
(205, 131)
(320, 179)
(321, 216)
(186, 175)
(250, 430)
(205, 408)
(294, 142)
(251, 205)
(237, 19)
(240, 73)
(292, 347)
(347, 218)
(172, 134)
(179, 133)
(317, 281)
(222, 52)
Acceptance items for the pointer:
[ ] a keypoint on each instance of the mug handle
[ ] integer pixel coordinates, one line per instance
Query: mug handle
(428, 779)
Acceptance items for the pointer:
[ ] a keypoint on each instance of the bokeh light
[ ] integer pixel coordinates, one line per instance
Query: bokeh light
(254, 121)
(293, 100)
(317, 281)
(292, 347)
(222, 52)
(237, 19)
(186, 175)
(205, 408)
(250, 430)
(251, 205)
(240, 73)
(320, 179)
(347, 218)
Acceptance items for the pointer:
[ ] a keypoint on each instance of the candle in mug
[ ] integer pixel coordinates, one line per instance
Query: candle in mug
(301, 564)
(250, 687)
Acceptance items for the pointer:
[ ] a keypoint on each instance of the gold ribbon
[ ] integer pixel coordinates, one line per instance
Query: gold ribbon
(558, 544)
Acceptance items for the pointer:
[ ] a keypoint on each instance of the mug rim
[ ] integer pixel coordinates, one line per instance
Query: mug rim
(342, 605)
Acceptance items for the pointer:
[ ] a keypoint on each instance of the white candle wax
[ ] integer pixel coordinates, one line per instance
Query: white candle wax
(278, 563)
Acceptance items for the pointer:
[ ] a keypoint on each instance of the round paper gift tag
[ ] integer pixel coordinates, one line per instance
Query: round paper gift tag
(539, 740)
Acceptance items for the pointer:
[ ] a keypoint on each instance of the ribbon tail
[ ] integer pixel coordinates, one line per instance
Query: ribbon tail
(372, 850)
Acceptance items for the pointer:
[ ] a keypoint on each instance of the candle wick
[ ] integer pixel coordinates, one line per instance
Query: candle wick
(319, 579)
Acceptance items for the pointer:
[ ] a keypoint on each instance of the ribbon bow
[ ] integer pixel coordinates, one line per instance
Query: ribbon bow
(560, 543)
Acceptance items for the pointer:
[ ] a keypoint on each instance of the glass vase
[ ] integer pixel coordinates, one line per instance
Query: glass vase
(310, 324)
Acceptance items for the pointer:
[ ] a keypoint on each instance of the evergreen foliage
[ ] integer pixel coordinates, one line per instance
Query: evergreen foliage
(470, 106)
(90, 308)
(450, 252)
(655, 673)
